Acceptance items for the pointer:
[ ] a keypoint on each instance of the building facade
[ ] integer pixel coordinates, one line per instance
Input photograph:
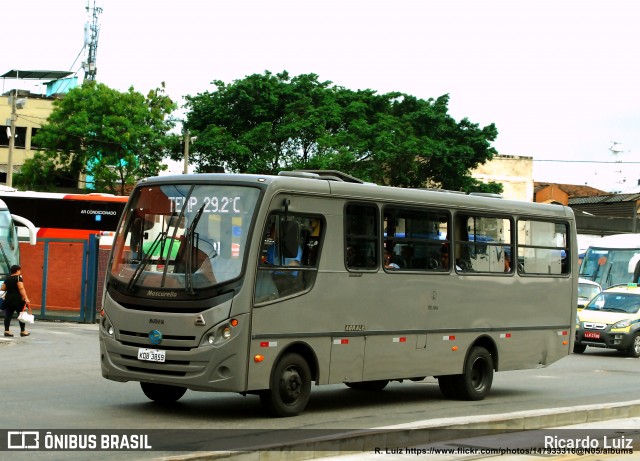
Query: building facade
(513, 172)
(31, 113)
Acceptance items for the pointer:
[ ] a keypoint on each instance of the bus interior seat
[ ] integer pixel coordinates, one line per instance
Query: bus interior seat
(464, 265)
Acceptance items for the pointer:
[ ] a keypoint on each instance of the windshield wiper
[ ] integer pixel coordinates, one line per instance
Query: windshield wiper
(145, 261)
(188, 240)
(167, 257)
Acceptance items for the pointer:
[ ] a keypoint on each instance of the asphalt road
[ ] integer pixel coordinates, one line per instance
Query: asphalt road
(51, 381)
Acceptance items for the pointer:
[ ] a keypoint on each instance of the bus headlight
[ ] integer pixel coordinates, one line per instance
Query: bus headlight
(108, 327)
(221, 333)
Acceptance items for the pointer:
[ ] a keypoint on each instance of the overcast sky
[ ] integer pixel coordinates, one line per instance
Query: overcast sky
(559, 78)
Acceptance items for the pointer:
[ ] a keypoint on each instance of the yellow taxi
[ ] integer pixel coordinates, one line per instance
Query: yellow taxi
(611, 320)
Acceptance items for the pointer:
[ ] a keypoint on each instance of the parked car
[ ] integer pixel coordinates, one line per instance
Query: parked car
(587, 290)
(611, 320)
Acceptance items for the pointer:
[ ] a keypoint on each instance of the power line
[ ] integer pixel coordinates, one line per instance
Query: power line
(587, 161)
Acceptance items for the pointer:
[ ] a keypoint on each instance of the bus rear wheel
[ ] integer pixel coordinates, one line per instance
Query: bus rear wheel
(162, 393)
(290, 387)
(369, 385)
(447, 386)
(475, 382)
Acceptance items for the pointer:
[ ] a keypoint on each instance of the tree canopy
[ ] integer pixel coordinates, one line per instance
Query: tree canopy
(266, 123)
(115, 138)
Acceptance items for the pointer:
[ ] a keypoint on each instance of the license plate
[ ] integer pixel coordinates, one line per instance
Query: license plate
(592, 334)
(151, 355)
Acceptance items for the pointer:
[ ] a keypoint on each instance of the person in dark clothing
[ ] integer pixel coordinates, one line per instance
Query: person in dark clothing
(15, 300)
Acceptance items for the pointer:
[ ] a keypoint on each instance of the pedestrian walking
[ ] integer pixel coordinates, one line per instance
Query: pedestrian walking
(15, 300)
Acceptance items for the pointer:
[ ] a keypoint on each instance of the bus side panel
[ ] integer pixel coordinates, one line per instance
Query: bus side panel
(265, 351)
(396, 310)
(400, 355)
(524, 316)
(347, 355)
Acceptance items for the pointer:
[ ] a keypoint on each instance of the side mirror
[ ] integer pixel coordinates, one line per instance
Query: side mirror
(290, 232)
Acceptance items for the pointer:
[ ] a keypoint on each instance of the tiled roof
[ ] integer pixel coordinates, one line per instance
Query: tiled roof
(572, 190)
(611, 198)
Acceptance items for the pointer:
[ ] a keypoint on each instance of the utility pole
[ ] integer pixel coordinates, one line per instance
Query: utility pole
(12, 139)
(187, 139)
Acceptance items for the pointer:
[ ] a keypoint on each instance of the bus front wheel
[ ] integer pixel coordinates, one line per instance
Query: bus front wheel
(162, 393)
(290, 387)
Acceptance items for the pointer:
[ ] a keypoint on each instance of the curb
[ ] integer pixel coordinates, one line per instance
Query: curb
(421, 432)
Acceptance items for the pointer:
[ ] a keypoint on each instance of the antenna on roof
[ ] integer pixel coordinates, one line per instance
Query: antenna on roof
(91, 31)
(615, 148)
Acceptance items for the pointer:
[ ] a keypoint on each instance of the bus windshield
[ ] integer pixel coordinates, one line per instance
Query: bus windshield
(609, 266)
(183, 236)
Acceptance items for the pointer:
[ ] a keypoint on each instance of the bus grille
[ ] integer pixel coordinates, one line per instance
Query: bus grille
(170, 342)
(172, 367)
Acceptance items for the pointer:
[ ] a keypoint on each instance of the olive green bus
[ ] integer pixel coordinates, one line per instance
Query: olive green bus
(265, 285)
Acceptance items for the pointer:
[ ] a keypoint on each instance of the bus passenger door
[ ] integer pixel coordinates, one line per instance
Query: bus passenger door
(347, 358)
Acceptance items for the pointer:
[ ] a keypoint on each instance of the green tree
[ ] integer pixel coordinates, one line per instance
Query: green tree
(117, 138)
(267, 123)
(262, 124)
(40, 173)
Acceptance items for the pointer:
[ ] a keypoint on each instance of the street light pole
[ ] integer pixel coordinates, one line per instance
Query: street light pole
(187, 139)
(12, 139)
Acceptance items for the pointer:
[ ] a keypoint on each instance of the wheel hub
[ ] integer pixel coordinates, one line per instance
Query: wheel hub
(291, 385)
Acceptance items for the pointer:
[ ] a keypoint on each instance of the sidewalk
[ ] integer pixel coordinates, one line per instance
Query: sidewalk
(619, 433)
(506, 436)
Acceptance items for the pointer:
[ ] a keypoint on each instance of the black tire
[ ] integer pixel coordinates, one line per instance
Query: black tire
(289, 388)
(579, 348)
(162, 393)
(447, 386)
(369, 385)
(634, 348)
(475, 382)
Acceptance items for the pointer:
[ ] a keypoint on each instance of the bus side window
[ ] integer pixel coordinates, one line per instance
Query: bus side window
(413, 237)
(543, 248)
(361, 237)
(483, 244)
(288, 257)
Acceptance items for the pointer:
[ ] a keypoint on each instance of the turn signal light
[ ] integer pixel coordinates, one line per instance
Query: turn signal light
(234, 322)
(258, 358)
(454, 348)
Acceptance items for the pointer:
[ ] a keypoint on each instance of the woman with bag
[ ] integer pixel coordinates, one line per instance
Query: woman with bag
(15, 300)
